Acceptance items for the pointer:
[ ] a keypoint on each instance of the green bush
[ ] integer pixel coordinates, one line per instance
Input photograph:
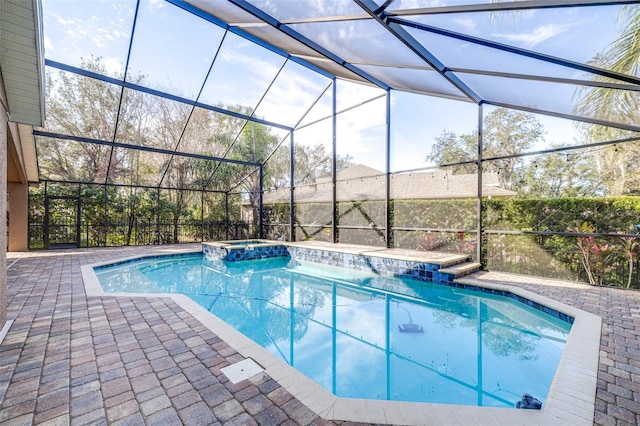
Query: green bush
(553, 256)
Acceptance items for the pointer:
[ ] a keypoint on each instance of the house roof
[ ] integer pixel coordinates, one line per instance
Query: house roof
(22, 80)
(362, 183)
(21, 60)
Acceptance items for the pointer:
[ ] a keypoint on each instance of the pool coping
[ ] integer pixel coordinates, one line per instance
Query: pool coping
(261, 242)
(571, 397)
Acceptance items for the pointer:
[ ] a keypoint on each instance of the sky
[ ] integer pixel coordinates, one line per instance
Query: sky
(174, 49)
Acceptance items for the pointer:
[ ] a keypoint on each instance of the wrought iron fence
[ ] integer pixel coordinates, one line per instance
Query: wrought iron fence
(548, 253)
(141, 233)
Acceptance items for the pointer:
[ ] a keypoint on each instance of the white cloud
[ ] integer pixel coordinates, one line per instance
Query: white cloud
(467, 23)
(414, 4)
(74, 31)
(113, 65)
(408, 153)
(48, 44)
(66, 22)
(538, 35)
(360, 134)
(156, 4)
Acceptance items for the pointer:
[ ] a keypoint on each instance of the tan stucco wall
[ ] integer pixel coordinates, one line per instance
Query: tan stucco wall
(18, 214)
(16, 171)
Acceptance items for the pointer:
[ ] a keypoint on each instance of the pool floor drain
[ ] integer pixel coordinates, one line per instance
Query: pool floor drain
(241, 370)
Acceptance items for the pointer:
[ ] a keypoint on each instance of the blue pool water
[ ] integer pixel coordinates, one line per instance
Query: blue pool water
(363, 336)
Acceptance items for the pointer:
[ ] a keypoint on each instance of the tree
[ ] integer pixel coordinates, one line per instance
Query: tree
(559, 175)
(80, 106)
(451, 148)
(622, 57)
(312, 162)
(506, 132)
(618, 168)
(206, 133)
(256, 143)
(277, 169)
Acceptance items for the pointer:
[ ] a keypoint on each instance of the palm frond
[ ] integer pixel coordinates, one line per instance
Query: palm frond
(621, 56)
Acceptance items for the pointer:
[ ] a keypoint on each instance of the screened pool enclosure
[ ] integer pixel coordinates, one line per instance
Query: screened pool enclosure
(505, 130)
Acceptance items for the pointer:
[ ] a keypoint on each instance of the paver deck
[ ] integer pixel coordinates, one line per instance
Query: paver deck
(73, 359)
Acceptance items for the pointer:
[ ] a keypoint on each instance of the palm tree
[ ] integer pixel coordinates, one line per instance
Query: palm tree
(615, 164)
(621, 56)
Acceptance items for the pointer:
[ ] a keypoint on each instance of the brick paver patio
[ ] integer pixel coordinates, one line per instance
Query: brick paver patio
(73, 359)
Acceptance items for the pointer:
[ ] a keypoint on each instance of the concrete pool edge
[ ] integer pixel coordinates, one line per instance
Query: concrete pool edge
(571, 398)
(572, 395)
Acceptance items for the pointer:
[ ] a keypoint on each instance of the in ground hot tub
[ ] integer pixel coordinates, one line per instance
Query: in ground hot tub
(236, 250)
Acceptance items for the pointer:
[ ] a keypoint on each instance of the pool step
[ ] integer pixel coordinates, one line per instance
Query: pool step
(461, 269)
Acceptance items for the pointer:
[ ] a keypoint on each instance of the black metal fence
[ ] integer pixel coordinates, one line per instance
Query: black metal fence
(139, 233)
(77, 214)
(609, 258)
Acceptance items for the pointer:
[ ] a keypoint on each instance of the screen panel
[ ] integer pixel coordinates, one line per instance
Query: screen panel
(361, 207)
(82, 106)
(277, 195)
(209, 133)
(558, 98)
(321, 110)
(284, 10)
(152, 121)
(351, 39)
(292, 93)
(424, 80)
(76, 35)
(164, 51)
(564, 32)
(61, 159)
(313, 152)
(142, 168)
(361, 137)
(241, 74)
(435, 210)
(424, 129)
(350, 94)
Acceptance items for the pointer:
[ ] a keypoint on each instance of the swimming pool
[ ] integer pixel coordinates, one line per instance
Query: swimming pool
(571, 398)
(360, 335)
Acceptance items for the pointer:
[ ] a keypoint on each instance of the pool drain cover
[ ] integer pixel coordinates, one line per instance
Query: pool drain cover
(241, 370)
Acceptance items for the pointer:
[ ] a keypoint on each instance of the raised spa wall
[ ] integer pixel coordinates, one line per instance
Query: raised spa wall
(383, 266)
(236, 252)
